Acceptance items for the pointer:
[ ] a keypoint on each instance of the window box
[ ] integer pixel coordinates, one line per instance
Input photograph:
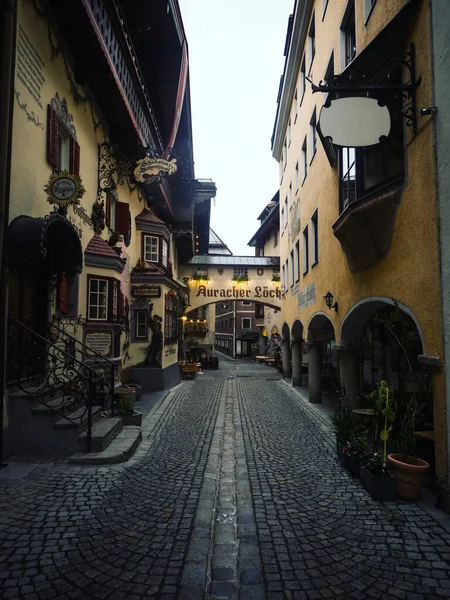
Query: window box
(240, 278)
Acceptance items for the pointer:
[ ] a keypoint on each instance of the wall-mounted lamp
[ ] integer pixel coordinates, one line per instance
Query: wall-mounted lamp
(329, 300)
(431, 110)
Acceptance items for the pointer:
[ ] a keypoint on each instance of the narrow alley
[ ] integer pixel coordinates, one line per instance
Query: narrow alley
(234, 492)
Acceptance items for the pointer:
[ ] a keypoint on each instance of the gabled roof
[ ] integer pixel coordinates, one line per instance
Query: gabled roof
(147, 215)
(217, 246)
(100, 247)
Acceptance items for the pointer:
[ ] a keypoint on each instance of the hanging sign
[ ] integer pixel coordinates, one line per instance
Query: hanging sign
(354, 122)
(148, 168)
(64, 189)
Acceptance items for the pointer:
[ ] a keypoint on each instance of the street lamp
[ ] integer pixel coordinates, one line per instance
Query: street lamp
(329, 301)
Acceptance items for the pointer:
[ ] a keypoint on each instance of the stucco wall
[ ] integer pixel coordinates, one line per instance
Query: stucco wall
(410, 271)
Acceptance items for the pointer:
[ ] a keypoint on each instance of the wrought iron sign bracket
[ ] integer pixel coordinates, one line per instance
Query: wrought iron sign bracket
(113, 167)
(355, 84)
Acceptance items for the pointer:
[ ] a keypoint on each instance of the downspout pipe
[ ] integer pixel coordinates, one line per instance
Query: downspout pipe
(8, 25)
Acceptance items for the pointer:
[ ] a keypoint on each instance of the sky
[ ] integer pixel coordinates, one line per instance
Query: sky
(236, 61)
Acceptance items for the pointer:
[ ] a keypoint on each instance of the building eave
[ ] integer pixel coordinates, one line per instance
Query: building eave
(292, 65)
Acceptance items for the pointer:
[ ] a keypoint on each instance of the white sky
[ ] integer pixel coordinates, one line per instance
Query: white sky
(236, 60)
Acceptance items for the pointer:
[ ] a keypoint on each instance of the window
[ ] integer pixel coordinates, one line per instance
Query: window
(364, 170)
(165, 252)
(290, 196)
(240, 272)
(289, 133)
(286, 270)
(283, 279)
(246, 302)
(259, 310)
(329, 73)
(151, 248)
(98, 299)
(292, 268)
(110, 210)
(324, 8)
(246, 323)
(63, 151)
(295, 105)
(141, 331)
(313, 134)
(304, 161)
(368, 6)
(296, 178)
(312, 40)
(171, 319)
(275, 238)
(282, 219)
(305, 250)
(315, 238)
(302, 80)
(348, 35)
(297, 261)
(284, 155)
(285, 212)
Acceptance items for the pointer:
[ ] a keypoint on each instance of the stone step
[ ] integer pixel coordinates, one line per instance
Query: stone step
(79, 417)
(103, 433)
(120, 449)
(49, 407)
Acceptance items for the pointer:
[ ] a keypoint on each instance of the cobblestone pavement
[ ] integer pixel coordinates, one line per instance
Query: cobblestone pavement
(235, 492)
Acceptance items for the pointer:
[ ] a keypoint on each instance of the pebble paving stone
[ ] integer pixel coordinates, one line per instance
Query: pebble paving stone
(234, 493)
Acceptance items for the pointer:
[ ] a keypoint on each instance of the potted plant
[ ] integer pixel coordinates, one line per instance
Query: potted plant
(342, 423)
(414, 390)
(129, 415)
(409, 470)
(377, 479)
(240, 278)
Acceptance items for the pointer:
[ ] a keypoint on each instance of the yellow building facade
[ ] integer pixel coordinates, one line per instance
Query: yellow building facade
(93, 246)
(360, 224)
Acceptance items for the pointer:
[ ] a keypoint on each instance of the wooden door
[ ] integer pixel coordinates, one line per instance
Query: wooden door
(27, 303)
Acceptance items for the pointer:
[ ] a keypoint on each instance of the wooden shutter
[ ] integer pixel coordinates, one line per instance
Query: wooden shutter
(64, 295)
(52, 136)
(108, 210)
(74, 157)
(122, 218)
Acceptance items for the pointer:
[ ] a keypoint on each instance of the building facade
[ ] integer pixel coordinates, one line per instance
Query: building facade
(266, 243)
(359, 225)
(103, 203)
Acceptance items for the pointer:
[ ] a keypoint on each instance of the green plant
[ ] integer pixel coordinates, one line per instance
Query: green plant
(240, 278)
(385, 412)
(126, 404)
(376, 464)
(342, 419)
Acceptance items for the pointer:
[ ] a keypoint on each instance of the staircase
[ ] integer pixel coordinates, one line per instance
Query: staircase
(63, 403)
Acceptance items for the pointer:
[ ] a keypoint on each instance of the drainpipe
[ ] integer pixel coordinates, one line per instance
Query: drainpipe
(8, 21)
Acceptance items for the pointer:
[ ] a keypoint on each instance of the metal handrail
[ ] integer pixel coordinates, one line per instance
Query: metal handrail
(97, 358)
(63, 373)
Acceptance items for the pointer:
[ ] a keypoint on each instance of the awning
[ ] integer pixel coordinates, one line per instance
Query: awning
(32, 241)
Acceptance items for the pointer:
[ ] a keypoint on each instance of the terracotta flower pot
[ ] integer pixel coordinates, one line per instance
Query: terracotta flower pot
(409, 476)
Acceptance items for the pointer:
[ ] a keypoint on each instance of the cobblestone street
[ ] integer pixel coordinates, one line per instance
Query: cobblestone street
(234, 492)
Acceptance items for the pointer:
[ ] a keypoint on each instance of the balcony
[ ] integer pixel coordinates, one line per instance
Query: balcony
(196, 327)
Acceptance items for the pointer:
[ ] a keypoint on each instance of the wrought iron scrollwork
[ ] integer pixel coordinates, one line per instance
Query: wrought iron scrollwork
(357, 82)
(104, 368)
(52, 376)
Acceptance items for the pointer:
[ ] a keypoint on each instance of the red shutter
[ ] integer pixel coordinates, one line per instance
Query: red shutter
(64, 295)
(74, 157)
(52, 136)
(108, 210)
(122, 218)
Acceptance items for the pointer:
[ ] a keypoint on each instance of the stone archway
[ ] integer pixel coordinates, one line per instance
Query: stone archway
(360, 366)
(297, 355)
(321, 354)
(286, 350)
